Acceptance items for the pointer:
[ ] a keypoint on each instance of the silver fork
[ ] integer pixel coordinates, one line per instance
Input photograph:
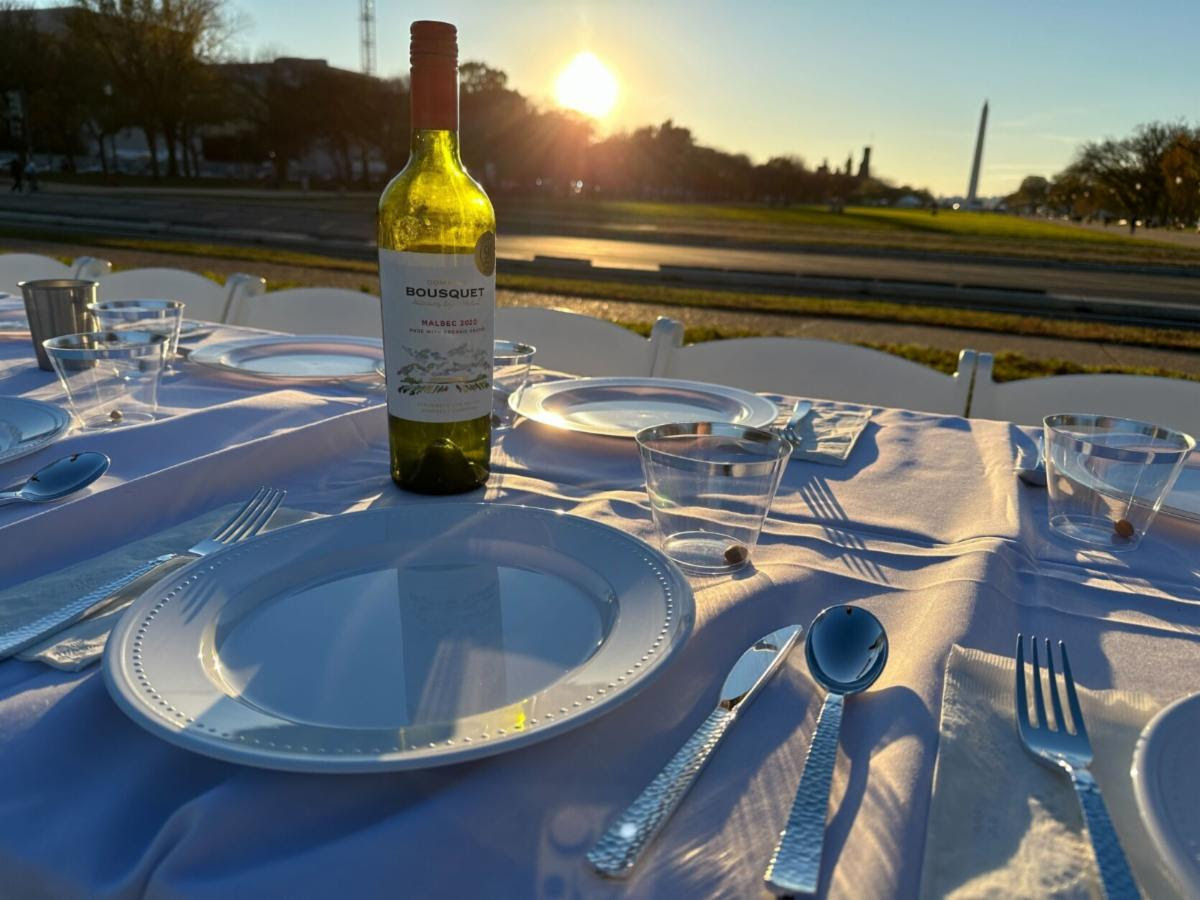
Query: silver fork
(246, 522)
(1071, 753)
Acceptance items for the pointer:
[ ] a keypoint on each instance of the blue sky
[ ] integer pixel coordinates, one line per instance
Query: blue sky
(818, 80)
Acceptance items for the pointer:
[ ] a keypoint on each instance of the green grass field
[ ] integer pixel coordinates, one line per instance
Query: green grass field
(976, 233)
(668, 295)
(1009, 365)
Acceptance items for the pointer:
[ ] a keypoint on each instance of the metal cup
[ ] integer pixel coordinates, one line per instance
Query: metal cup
(57, 307)
(54, 307)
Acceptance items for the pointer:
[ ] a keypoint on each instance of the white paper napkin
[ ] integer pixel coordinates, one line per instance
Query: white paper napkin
(828, 436)
(1003, 825)
(83, 643)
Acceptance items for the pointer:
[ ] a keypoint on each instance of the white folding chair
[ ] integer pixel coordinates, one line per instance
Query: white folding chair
(18, 267)
(202, 297)
(1173, 402)
(241, 288)
(310, 311)
(90, 268)
(584, 345)
(826, 369)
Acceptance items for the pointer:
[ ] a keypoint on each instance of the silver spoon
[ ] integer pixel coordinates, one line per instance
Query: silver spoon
(846, 649)
(799, 411)
(60, 478)
(1031, 468)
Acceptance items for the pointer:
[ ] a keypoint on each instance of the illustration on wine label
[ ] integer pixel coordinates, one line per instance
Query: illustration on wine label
(437, 335)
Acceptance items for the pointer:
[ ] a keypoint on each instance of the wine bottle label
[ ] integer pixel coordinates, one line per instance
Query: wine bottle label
(438, 320)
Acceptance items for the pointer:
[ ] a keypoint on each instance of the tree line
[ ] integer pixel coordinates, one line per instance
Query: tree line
(85, 73)
(1150, 177)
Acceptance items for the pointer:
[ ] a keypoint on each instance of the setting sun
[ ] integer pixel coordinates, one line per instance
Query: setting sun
(587, 86)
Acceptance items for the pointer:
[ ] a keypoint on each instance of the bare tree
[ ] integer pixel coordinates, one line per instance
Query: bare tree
(157, 51)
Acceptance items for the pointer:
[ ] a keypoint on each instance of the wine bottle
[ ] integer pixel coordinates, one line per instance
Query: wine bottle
(437, 275)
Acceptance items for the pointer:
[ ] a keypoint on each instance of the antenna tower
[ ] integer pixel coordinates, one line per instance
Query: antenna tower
(366, 33)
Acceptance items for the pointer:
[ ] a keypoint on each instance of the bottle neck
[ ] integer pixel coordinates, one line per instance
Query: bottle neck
(434, 89)
(435, 145)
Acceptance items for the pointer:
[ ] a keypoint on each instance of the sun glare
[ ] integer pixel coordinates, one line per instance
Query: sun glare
(587, 86)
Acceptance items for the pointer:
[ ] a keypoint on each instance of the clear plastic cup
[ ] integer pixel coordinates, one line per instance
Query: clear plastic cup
(159, 316)
(510, 373)
(1107, 477)
(710, 486)
(111, 377)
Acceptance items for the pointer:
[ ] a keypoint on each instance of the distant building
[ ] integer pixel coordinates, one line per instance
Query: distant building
(864, 168)
(973, 187)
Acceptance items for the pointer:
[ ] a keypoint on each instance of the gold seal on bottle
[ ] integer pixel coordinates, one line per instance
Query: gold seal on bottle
(485, 253)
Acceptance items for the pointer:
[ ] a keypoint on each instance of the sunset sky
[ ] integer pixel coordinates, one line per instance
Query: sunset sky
(818, 80)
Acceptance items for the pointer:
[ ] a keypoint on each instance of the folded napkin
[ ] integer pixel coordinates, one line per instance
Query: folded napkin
(828, 435)
(83, 643)
(1003, 825)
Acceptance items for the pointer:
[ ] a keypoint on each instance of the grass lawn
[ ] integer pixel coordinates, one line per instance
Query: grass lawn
(874, 310)
(1008, 366)
(978, 233)
(669, 295)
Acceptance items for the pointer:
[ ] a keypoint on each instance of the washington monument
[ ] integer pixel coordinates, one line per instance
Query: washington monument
(972, 200)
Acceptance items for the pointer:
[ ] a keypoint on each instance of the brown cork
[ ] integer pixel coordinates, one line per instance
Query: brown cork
(433, 58)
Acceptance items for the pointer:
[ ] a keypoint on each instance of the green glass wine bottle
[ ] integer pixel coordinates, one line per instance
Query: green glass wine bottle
(437, 274)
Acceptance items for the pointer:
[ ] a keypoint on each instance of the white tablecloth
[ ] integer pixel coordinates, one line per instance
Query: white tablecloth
(926, 526)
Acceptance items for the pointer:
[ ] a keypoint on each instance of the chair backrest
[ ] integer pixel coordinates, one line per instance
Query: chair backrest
(90, 268)
(18, 267)
(202, 297)
(310, 311)
(826, 370)
(1173, 402)
(584, 345)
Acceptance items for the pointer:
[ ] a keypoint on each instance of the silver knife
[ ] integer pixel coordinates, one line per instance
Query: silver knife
(616, 853)
(117, 592)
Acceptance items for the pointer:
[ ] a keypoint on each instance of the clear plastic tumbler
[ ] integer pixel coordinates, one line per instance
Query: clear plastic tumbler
(710, 486)
(1107, 476)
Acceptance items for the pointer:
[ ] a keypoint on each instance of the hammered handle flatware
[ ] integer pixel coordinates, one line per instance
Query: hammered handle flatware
(795, 865)
(1071, 753)
(1110, 858)
(616, 853)
(618, 850)
(17, 639)
(246, 522)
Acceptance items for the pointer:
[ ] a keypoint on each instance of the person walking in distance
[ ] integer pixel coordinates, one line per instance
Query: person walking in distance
(31, 174)
(17, 171)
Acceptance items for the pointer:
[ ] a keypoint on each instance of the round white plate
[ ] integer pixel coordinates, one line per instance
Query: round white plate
(398, 638)
(300, 357)
(1166, 782)
(621, 407)
(1184, 499)
(12, 315)
(195, 328)
(29, 425)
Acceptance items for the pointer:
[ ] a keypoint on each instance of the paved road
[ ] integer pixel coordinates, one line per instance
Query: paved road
(345, 223)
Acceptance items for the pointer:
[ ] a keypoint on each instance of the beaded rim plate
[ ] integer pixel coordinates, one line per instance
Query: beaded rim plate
(621, 407)
(1184, 499)
(1166, 785)
(311, 357)
(27, 426)
(398, 638)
